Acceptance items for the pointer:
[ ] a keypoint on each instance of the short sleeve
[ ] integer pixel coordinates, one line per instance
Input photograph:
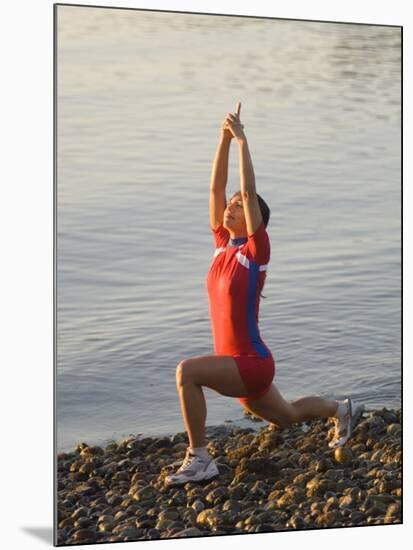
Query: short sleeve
(221, 236)
(258, 246)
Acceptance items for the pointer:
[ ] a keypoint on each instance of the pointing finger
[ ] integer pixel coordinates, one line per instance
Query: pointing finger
(238, 108)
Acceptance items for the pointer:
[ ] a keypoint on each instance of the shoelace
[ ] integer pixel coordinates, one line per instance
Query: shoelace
(187, 461)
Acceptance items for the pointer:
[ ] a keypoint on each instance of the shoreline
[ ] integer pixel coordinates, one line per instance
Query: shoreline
(245, 422)
(271, 479)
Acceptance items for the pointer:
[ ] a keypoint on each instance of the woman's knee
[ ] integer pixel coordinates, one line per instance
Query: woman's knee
(183, 372)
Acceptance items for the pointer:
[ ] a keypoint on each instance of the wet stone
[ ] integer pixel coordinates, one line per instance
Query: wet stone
(203, 517)
(393, 513)
(67, 522)
(145, 493)
(327, 519)
(145, 523)
(190, 515)
(296, 522)
(164, 524)
(238, 491)
(394, 430)
(83, 535)
(130, 533)
(198, 506)
(120, 516)
(80, 512)
(114, 500)
(316, 487)
(343, 455)
(218, 495)
(83, 523)
(105, 517)
(232, 506)
(357, 517)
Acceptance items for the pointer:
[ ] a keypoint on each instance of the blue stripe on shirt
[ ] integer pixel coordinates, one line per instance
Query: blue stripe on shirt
(253, 280)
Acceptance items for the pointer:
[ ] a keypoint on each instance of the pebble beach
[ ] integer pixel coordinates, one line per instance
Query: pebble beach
(271, 479)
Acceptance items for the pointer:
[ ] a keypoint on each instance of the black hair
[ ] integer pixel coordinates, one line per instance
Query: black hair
(265, 213)
(264, 208)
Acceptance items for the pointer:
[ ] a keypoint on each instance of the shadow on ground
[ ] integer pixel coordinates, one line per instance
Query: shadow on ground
(45, 534)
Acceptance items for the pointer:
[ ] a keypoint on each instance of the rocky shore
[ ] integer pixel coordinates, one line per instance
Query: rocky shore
(271, 479)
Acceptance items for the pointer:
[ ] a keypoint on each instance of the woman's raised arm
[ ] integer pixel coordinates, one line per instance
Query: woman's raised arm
(253, 216)
(219, 177)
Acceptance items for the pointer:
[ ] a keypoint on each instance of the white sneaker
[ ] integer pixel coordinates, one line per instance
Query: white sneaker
(193, 468)
(344, 426)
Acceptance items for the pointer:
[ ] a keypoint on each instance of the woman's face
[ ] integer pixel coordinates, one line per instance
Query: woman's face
(234, 218)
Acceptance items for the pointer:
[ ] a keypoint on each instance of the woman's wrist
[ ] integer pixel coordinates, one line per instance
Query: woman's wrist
(242, 139)
(226, 136)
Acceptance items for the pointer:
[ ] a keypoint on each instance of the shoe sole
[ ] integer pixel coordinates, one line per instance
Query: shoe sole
(334, 443)
(201, 481)
(353, 420)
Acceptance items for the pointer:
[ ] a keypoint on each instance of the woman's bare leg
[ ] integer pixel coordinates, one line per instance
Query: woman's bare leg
(194, 412)
(275, 409)
(310, 408)
(219, 373)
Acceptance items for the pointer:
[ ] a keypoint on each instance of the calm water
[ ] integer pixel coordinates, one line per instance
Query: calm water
(141, 98)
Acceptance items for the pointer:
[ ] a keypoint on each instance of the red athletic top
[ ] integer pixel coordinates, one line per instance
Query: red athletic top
(234, 283)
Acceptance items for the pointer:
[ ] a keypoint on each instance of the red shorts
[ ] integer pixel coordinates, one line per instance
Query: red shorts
(257, 374)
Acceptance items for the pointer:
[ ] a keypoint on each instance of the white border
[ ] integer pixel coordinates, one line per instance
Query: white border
(27, 269)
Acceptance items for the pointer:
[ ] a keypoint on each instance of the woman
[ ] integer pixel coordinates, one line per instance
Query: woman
(242, 366)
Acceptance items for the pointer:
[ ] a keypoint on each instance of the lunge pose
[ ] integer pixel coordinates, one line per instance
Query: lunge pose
(242, 366)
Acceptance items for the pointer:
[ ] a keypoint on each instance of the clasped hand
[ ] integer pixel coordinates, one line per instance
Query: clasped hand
(232, 126)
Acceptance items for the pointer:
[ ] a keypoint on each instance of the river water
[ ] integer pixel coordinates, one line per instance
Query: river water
(141, 96)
